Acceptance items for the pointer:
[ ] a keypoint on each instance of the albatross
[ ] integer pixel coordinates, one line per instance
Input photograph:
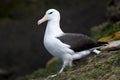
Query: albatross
(66, 46)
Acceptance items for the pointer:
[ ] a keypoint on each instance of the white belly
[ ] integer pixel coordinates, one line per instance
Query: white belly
(56, 47)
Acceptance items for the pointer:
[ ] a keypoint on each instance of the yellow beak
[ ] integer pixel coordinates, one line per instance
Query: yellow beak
(45, 18)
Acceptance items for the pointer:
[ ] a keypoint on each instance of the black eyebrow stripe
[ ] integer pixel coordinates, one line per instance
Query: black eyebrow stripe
(50, 12)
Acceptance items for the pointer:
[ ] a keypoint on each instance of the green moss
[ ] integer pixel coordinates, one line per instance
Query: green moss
(108, 30)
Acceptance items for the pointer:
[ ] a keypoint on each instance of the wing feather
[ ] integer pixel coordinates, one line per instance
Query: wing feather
(78, 42)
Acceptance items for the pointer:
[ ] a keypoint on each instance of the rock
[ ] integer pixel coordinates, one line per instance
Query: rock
(114, 45)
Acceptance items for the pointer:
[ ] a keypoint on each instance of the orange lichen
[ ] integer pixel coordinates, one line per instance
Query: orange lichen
(115, 36)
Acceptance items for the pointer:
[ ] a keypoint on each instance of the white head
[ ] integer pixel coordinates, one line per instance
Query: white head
(51, 14)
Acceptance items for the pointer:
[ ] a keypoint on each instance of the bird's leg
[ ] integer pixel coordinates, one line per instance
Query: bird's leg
(67, 60)
(70, 63)
(61, 70)
(63, 66)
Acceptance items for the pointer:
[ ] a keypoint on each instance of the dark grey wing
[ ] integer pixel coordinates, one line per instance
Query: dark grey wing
(78, 42)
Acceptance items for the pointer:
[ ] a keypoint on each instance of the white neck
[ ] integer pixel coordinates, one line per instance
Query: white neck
(53, 28)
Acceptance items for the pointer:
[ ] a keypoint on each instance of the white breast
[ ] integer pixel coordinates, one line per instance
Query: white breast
(56, 47)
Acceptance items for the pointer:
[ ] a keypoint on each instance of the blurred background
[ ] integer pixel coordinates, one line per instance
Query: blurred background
(21, 40)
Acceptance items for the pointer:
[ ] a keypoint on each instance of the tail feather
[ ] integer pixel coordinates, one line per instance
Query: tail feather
(96, 51)
(102, 43)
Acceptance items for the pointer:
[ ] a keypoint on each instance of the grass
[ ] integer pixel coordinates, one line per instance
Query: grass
(109, 30)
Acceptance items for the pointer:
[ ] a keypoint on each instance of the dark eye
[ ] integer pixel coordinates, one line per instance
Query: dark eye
(50, 12)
